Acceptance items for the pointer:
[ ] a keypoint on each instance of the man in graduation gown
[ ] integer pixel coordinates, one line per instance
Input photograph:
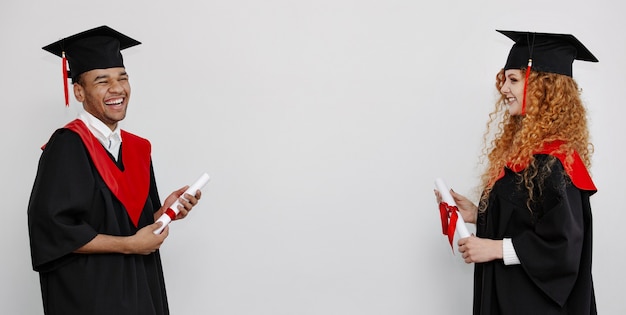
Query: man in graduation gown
(92, 210)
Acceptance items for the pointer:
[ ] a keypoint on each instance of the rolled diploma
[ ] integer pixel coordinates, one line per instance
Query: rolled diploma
(446, 197)
(165, 217)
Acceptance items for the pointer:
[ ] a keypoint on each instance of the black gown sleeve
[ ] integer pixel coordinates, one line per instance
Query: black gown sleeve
(154, 192)
(59, 201)
(550, 253)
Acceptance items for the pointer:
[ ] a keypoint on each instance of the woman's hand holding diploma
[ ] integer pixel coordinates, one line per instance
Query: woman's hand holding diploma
(451, 219)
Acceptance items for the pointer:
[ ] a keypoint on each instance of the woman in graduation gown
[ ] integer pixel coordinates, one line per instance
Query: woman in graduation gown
(533, 246)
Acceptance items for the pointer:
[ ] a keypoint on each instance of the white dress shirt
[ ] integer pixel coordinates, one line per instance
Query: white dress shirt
(111, 140)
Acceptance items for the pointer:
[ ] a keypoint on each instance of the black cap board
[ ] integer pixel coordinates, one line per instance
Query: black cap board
(97, 48)
(549, 52)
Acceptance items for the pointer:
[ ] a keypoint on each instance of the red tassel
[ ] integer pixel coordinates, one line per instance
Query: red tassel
(65, 87)
(530, 64)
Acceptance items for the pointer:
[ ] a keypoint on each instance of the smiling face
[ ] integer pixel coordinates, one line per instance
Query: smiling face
(105, 94)
(513, 90)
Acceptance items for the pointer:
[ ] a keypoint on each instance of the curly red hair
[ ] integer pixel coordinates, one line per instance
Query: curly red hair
(554, 111)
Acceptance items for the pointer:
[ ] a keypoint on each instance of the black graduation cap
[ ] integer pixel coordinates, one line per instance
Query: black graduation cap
(549, 52)
(97, 48)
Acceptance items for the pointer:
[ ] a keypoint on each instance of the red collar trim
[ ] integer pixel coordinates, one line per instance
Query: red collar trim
(130, 186)
(577, 171)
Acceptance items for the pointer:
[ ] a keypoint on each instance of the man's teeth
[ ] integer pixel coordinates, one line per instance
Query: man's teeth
(115, 101)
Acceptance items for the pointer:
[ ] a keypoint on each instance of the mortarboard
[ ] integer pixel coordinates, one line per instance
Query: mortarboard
(549, 52)
(97, 48)
(546, 52)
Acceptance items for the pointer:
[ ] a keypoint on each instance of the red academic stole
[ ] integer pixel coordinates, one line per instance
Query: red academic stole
(130, 186)
(577, 171)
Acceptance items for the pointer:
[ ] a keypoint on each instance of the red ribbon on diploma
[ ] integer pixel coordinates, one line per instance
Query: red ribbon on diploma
(448, 226)
(170, 213)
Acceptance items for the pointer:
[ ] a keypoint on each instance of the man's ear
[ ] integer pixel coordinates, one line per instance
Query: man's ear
(79, 92)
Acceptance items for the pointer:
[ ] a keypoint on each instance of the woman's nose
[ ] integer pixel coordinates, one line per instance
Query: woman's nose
(505, 88)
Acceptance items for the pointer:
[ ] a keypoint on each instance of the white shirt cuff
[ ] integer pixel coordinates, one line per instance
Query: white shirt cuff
(509, 256)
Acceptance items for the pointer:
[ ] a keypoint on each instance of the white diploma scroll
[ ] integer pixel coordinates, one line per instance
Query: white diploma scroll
(172, 211)
(446, 197)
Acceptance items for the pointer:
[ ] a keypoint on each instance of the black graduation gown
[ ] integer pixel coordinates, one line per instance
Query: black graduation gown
(553, 245)
(69, 205)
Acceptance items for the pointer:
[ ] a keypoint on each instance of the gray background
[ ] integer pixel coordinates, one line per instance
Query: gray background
(323, 125)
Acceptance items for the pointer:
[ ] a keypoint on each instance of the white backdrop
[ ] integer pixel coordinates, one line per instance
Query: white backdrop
(323, 125)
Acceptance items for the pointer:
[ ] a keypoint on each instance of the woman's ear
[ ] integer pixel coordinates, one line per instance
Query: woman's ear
(79, 92)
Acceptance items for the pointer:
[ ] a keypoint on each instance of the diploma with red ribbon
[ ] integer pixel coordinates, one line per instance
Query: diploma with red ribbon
(451, 218)
(172, 211)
